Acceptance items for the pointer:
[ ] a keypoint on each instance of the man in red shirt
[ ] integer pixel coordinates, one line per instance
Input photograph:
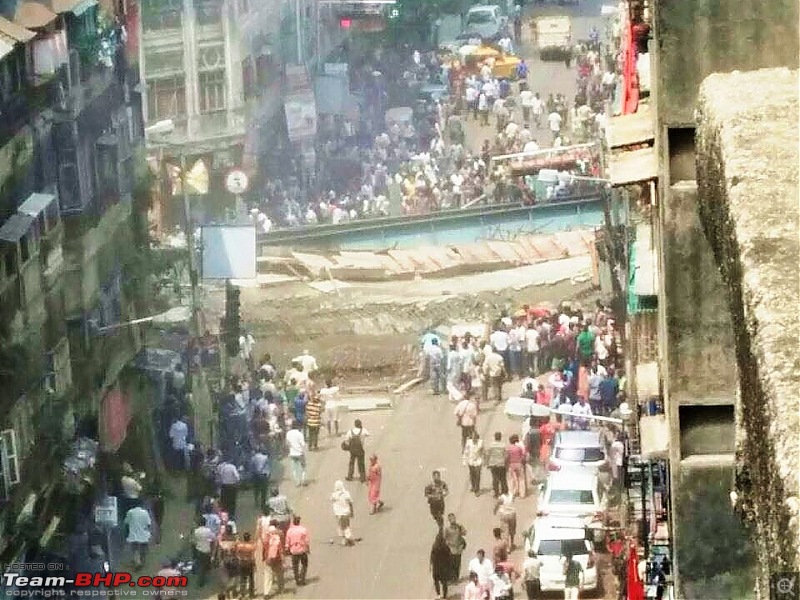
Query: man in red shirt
(298, 545)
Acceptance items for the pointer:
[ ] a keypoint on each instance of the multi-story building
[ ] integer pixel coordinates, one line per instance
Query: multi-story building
(719, 426)
(69, 129)
(215, 69)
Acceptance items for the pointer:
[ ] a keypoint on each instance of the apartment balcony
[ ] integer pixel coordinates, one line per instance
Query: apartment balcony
(98, 84)
(206, 132)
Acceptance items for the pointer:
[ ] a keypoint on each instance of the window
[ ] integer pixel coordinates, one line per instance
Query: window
(480, 17)
(12, 72)
(106, 169)
(212, 91)
(166, 98)
(8, 265)
(571, 497)
(162, 14)
(562, 548)
(208, 12)
(9, 463)
(580, 454)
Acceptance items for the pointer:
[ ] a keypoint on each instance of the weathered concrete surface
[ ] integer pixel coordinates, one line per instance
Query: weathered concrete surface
(701, 37)
(747, 161)
(700, 337)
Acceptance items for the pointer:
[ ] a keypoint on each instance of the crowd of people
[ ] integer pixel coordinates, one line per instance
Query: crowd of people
(425, 156)
(566, 360)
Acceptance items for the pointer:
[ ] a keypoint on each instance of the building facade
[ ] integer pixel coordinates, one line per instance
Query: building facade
(693, 370)
(69, 133)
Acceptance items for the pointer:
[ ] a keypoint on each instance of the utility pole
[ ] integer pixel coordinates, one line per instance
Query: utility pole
(299, 31)
(194, 330)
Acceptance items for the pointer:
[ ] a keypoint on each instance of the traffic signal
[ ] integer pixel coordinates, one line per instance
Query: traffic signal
(233, 319)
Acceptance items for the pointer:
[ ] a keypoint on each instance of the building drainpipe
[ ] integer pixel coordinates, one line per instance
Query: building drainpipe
(194, 332)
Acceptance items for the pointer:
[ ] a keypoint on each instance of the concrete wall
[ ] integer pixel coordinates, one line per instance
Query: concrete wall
(747, 149)
(698, 37)
(700, 340)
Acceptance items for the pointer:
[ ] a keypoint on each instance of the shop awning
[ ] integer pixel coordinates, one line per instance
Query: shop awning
(634, 166)
(6, 46)
(15, 228)
(34, 15)
(76, 7)
(36, 204)
(629, 130)
(14, 31)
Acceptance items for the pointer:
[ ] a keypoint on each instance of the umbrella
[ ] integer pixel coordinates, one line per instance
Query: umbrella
(522, 408)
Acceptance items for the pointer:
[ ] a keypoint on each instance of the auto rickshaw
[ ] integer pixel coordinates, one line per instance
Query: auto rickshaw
(505, 67)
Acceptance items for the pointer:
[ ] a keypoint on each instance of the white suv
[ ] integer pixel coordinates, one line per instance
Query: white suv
(553, 539)
(574, 492)
(487, 20)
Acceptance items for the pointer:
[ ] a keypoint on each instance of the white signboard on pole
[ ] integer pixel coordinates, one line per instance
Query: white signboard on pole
(237, 182)
(229, 251)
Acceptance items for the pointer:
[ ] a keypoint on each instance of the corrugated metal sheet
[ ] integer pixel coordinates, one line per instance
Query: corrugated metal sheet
(15, 31)
(633, 167)
(36, 204)
(16, 227)
(6, 48)
(34, 15)
(628, 130)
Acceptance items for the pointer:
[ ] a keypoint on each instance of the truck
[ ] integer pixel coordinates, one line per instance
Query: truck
(553, 37)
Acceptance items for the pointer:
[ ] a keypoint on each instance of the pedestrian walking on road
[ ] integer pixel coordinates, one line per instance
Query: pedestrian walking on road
(245, 553)
(228, 477)
(263, 572)
(203, 546)
(330, 400)
(573, 578)
(436, 492)
(374, 477)
(354, 444)
(343, 511)
(298, 545)
(314, 410)
(473, 459)
(517, 466)
(507, 513)
(440, 565)
(274, 557)
(279, 510)
(473, 590)
(296, 442)
(466, 413)
(455, 538)
(532, 568)
(497, 461)
(139, 526)
(261, 467)
(435, 357)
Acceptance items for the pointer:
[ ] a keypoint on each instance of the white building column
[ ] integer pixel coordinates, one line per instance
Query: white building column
(234, 84)
(189, 31)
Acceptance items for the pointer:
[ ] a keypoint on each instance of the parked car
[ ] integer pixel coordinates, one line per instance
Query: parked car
(574, 492)
(486, 20)
(553, 538)
(577, 448)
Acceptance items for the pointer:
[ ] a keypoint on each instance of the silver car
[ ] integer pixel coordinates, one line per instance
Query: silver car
(577, 449)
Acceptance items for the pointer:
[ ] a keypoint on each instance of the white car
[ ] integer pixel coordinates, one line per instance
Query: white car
(574, 492)
(553, 539)
(487, 20)
(577, 448)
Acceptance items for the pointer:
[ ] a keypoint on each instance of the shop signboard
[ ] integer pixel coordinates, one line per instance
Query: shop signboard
(106, 512)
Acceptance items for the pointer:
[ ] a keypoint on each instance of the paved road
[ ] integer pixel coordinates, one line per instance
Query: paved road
(546, 77)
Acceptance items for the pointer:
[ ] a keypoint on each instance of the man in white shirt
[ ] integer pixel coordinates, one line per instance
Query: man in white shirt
(466, 413)
(203, 540)
(532, 348)
(482, 567)
(139, 526)
(228, 478)
(179, 435)
(296, 443)
(471, 98)
(330, 400)
(526, 101)
(554, 121)
(537, 107)
(581, 410)
(483, 108)
(500, 584)
(309, 362)
(511, 130)
(531, 146)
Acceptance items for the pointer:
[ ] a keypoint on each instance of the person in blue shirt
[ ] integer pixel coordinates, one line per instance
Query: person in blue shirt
(522, 70)
(609, 388)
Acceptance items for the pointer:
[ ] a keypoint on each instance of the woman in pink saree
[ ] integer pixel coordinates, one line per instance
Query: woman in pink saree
(374, 476)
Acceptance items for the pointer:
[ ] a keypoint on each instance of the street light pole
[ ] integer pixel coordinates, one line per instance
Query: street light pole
(194, 330)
